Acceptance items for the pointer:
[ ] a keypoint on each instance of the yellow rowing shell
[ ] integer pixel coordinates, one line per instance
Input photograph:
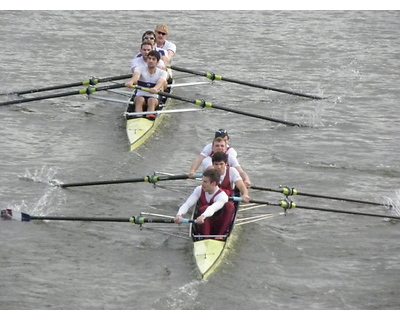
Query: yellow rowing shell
(141, 129)
(208, 255)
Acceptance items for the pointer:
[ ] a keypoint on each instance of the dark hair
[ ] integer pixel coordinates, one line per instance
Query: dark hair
(148, 32)
(220, 156)
(155, 54)
(146, 43)
(213, 174)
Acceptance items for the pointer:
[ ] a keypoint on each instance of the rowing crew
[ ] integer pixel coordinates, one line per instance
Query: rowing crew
(220, 181)
(149, 69)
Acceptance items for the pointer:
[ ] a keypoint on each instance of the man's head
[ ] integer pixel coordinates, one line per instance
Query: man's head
(210, 180)
(219, 144)
(219, 161)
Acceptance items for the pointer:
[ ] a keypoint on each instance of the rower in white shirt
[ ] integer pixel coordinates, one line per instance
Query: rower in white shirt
(219, 145)
(207, 151)
(150, 36)
(162, 31)
(149, 77)
(141, 59)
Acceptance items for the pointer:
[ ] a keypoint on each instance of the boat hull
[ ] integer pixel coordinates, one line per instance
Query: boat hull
(139, 130)
(209, 252)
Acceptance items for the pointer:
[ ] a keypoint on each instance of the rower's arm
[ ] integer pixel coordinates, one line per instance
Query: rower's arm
(160, 84)
(244, 176)
(243, 190)
(134, 80)
(196, 164)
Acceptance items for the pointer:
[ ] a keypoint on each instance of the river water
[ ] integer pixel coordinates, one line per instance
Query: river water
(307, 259)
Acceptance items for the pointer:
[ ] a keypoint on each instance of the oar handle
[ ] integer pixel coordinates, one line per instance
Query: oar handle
(142, 220)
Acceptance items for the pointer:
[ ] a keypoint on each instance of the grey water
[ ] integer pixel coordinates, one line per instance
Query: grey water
(306, 259)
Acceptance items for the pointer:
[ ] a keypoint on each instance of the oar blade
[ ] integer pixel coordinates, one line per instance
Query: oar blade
(9, 214)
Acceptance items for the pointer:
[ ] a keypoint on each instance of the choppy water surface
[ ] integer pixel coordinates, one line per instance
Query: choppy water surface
(307, 259)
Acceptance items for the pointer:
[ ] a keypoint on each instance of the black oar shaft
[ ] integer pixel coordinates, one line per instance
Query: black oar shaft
(295, 192)
(348, 212)
(150, 179)
(96, 183)
(92, 219)
(204, 104)
(212, 76)
(136, 220)
(90, 82)
(290, 205)
(88, 90)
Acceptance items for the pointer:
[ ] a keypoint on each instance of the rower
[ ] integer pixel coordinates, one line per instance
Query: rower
(219, 144)
(231, 181)
(215, 211)
(141, 59)
(162, 33)
(150, 36)
(150, 77)
(207, 151)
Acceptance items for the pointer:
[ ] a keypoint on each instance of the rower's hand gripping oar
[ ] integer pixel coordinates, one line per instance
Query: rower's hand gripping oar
(90, 82)
(87, 91)
(286, 204)
(213, 77)
(151, 179)
(8, 214)
(203, 104)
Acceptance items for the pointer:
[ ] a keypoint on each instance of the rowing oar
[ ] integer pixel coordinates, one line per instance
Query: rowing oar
(203, 104)
(291, 205)
(293, 192)
(88, 91)
(151, 179)
(213, 77)
(9, 214)
(90, 82)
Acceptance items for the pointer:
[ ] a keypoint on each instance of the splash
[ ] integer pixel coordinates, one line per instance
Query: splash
(52, 197)
(393, 203)
(43, 175)
(49, 202)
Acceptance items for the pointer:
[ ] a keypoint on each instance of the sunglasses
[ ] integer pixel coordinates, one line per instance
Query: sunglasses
(163, 33)
(149, 38)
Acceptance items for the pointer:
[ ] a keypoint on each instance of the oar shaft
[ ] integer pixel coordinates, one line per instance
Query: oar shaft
(348, 212)
(91, 219)
(97, 183)
(204, 104)
(292, 191)
(213, 76)
(90, 82)
(8, 214)
(150, 179)
(87, 91)
(136, 220)
(290, 205)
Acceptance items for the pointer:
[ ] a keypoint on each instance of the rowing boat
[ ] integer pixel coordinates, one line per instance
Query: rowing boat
(140, 129)
(209, 251)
